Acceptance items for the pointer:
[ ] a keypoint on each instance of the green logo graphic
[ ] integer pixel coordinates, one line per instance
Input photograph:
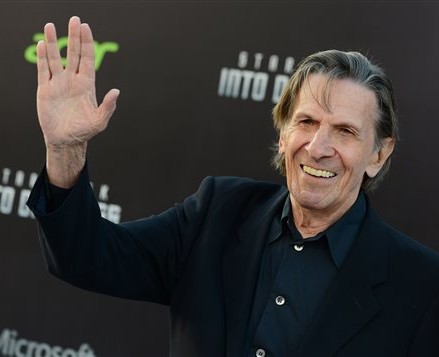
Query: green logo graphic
(30, 53)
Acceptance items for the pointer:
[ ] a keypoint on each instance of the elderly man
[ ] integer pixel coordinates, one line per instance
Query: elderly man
(249, 268)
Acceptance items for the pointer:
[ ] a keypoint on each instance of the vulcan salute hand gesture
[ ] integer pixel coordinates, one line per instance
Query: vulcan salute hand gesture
(67, 108)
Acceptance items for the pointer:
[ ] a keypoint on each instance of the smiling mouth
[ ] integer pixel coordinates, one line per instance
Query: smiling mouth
(317, 173)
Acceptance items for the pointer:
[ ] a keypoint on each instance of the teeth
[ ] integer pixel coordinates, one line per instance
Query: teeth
(318, 173)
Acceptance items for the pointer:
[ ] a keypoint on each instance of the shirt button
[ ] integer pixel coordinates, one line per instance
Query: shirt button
(298, 247)
(280, 300)
(260, 353)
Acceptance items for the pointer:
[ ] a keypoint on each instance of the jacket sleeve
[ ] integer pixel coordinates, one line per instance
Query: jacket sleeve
(141, 259)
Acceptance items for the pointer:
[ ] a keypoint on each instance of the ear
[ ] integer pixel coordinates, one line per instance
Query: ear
(380, 156)
(281, 149)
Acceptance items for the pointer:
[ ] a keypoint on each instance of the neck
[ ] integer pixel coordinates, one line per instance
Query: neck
(311, 221)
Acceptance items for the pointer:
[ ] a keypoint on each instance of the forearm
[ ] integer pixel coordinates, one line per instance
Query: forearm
(65, 163)
(87, 251)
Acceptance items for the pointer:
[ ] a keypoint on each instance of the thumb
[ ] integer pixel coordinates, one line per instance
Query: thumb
(108, 106)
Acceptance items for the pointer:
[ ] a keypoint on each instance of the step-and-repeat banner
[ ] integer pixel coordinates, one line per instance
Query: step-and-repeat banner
(198, 80)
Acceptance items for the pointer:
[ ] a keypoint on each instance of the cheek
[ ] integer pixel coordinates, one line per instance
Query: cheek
(290, 152)
(293, 142)
(355, 165)
(289, 158)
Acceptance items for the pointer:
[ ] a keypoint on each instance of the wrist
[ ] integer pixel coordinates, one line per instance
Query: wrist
(65, 163)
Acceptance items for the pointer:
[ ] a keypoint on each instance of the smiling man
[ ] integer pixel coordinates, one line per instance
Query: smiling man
(249, 268)
(329, 143)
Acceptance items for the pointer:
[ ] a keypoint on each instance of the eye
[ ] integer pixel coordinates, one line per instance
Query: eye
(306, 122)
(346, 131)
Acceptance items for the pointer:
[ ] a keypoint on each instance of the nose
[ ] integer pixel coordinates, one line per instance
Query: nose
(320, 145)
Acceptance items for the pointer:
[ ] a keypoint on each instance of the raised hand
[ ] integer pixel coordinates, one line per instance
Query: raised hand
(66, 101)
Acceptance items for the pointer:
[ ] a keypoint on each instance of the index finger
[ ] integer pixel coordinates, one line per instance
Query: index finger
(42, 63)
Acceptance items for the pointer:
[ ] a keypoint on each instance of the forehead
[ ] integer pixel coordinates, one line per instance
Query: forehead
(344, 99)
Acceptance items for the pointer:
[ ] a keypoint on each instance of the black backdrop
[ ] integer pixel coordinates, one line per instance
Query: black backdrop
(177, 121)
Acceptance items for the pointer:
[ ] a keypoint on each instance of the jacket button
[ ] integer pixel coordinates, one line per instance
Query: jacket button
(260, 353)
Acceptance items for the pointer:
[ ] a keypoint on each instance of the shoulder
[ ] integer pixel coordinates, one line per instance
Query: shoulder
(240, 186)
(232, 195)
(410, 262)
(410, 250)
(400, 244)
(414, 264)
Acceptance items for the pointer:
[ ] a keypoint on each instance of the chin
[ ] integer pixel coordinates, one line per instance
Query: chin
(311, 200)
(313, 205)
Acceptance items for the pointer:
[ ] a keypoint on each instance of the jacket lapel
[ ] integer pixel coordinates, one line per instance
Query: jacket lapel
(241, 265)
(351, 303)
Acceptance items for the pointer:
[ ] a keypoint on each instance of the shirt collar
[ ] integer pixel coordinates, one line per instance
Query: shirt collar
(340, 236)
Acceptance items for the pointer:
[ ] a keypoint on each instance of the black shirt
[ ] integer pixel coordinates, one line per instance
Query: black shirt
(295, 275)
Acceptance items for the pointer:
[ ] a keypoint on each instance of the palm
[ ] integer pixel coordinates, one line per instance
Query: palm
(67, 110)
(66, 99)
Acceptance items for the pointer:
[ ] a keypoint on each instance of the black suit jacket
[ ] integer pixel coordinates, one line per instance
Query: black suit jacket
(202, 258)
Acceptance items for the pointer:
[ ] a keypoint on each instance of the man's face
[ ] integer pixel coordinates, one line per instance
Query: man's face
(328, 149)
